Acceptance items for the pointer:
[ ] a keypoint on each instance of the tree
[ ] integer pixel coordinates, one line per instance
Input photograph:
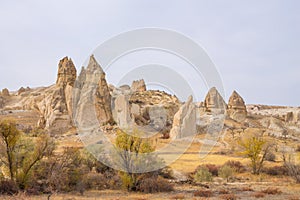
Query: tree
(9, 136)
(130, 150)
(19, 153)
(256, 149)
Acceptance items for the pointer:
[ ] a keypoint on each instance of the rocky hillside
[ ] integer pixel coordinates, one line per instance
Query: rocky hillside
(86, 97)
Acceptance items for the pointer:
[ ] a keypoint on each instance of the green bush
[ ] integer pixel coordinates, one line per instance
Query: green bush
(225, 172)
(203, 175)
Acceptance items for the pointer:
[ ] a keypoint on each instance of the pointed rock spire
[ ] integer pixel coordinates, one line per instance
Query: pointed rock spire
(214, 102)
(236, 107)
(66, 72)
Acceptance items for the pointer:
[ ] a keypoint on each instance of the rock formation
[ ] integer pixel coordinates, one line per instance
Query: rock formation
(138, 86)
(92, 99)
(122, 113)
(184, 123)
(214, 102)
(236, 107)
(1, 102)
(5, 92)
(56, 108)
(66, 74)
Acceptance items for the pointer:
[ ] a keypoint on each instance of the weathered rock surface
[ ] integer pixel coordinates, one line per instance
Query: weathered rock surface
(236, 107)
(1, 102)
(121, 111)
(92, 99)
(145, 105)
(138, 86)
(184, 123)
(5, 92)
(214, 102)
(66, 72)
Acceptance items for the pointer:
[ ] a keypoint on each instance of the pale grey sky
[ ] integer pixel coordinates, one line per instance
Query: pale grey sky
(254, 44)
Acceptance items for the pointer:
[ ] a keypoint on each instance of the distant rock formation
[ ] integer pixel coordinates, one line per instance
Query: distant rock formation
(184, 123)
(236, 107)
(214, 102)
(138, 86)
(145, 105)
(5, 92)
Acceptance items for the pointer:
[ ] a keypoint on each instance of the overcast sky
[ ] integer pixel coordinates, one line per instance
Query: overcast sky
(254, 44)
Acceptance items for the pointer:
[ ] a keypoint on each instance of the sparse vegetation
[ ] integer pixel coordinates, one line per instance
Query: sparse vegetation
(203, 193)
(202, 175)
(226, 172)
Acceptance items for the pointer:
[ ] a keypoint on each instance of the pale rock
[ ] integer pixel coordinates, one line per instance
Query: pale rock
(121, 111)
(214, 102)
(184, 123)
(5, 92)
(236, 107)
(138, 86)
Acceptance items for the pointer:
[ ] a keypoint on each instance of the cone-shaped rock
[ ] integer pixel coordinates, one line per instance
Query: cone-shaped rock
(236, 107)
(214, 102)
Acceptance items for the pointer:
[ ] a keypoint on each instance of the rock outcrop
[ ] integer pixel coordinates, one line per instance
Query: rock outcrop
(92, 99)
(184, 123)
(1, 102)
(236, 107)
(138, 86)
(5, 92)
(56, 108)
(122, 113)
(214, 102)
(66, 74)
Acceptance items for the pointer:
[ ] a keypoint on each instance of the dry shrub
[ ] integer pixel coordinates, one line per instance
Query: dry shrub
(228, 196)
(271, 191)
(276, 170)
(223, 191)
(236, 165)
(203, 193)
(8, 187)
(270, 157)
(202, 175)
(247, 189)
(259, 195)
(178, 196)
(298, 148)
(213, 169)
(154, 184)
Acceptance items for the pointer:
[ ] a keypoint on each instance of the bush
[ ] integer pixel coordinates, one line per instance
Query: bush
(259, 195)
(213, 169)
(272, 191)
(223, 191)
(8, 187)
(154, 184)
(226, 172)
(270, 157)
(236, 165)
(203, 193)
(228, 197)
(276, 171)
(203, 175)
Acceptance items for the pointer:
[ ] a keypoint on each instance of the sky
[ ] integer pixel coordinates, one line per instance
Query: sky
(254, 44)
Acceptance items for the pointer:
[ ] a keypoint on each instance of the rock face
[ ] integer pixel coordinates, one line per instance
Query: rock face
(154, 108)
(66, 72)
(138, 86)
(122, 113)
(5, 92)
(92, 99)
(184, 123)
(1, 102)
(236, 107)
(56, 108)
(214, 102)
